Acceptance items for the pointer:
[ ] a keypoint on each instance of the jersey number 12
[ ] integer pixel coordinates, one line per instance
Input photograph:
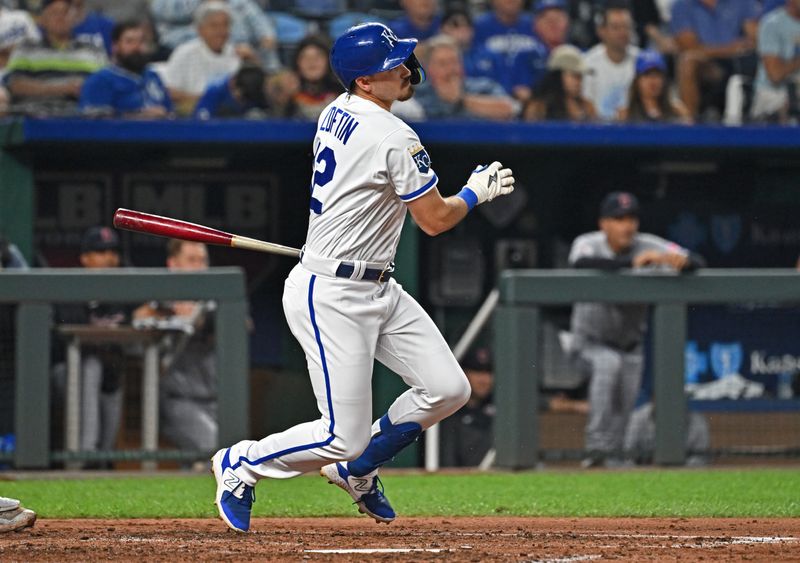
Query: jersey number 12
(324, 165)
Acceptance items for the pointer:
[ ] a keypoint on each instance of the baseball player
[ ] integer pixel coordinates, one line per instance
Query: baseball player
(341, 302)
(607, 338)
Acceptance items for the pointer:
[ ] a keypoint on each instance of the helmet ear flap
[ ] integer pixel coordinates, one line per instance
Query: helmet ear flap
(417, 72)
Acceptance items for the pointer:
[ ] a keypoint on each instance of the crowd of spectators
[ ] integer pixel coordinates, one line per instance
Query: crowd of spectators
(678, 61)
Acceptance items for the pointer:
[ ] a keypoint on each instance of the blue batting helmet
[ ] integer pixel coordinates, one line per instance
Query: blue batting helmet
(369, 48)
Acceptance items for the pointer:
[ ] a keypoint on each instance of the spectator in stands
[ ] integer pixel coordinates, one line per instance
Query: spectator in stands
(46, 77)
(421, 19)
(715, 39)
(640, 437)
(777, 86)
(551, 23)
(196, 63)
(127, 88)
(610, 65)
(550, 27)
(507, 33)
(282, 87)
(478, 60)
(252, 32)
(649, 98)
(242, 94)
(92, 27)
(16, 26)
(467, 435)
(559, 96)
(607, 338)
(317, 84)
(188, 393)
(101, 368)
(447, 93)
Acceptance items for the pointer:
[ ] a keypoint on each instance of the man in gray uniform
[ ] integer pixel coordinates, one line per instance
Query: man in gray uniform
(607, 338)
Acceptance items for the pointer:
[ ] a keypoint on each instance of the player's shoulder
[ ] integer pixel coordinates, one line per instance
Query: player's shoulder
(594, 239)
(650, 238)
(649, 241)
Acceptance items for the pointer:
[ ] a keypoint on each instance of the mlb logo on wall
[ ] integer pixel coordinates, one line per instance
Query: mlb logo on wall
(421, 158)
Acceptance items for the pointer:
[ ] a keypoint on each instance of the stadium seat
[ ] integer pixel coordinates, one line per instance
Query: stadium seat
(290, 29)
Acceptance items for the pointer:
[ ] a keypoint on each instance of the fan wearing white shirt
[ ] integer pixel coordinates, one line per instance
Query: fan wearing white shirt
(611, 63)
(196, 63)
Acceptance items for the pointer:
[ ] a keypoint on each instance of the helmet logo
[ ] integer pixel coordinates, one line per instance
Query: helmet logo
(390, 37)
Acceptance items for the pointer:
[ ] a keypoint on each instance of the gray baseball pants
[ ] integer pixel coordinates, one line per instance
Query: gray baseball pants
(616, 377)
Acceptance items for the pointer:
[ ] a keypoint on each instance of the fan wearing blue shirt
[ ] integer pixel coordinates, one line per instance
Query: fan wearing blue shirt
(507, 33)
(92, 27)
(550, 28)
(421, 19)
(478, 61)
(127, 88)
(241, 94)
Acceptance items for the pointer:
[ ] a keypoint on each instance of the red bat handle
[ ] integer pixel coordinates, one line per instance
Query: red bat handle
(166, 227)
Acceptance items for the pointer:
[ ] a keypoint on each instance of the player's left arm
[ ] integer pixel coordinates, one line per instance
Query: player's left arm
(435, 214)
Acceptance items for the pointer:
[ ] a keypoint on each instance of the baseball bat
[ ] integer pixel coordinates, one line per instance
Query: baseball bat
(150, 224)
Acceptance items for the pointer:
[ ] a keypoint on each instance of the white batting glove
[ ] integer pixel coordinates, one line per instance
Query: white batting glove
(486, 183)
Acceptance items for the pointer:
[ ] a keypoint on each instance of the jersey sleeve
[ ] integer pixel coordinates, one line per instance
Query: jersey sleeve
(652, 242)
(581, 248)
(408, 165)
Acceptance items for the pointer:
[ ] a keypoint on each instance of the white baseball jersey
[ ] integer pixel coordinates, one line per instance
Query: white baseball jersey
(368, 164)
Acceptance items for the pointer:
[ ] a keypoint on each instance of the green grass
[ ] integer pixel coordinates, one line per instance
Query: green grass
(666, 493)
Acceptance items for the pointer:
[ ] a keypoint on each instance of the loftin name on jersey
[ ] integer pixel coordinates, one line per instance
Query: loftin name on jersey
(344, 123)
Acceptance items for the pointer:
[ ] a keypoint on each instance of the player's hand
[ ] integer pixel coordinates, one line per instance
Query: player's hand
(675, 260)
(488, 182)
(647, 258)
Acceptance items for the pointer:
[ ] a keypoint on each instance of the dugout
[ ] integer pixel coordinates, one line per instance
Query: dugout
(730, 193)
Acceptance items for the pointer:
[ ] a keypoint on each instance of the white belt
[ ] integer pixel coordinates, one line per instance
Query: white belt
(331, 266)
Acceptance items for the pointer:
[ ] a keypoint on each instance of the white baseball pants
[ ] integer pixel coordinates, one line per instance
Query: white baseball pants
(343, 325)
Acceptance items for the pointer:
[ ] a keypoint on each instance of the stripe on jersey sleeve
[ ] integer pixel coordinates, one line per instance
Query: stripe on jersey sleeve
(415, 194)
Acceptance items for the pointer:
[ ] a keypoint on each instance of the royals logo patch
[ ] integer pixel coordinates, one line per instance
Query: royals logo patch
(421, 158)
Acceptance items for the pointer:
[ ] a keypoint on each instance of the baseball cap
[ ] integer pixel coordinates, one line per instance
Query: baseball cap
(566, 57)
(650, 60)
(97, 239)
(619, 204)
(543, 5)
(479, 359)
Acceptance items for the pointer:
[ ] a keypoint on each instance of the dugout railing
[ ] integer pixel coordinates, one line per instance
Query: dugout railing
(518, 354)
(34, 294)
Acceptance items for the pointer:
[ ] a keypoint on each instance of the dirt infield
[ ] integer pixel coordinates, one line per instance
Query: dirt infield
(410, 539)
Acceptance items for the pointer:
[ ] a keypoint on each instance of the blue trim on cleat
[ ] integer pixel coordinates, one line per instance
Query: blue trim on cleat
(367, 491)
